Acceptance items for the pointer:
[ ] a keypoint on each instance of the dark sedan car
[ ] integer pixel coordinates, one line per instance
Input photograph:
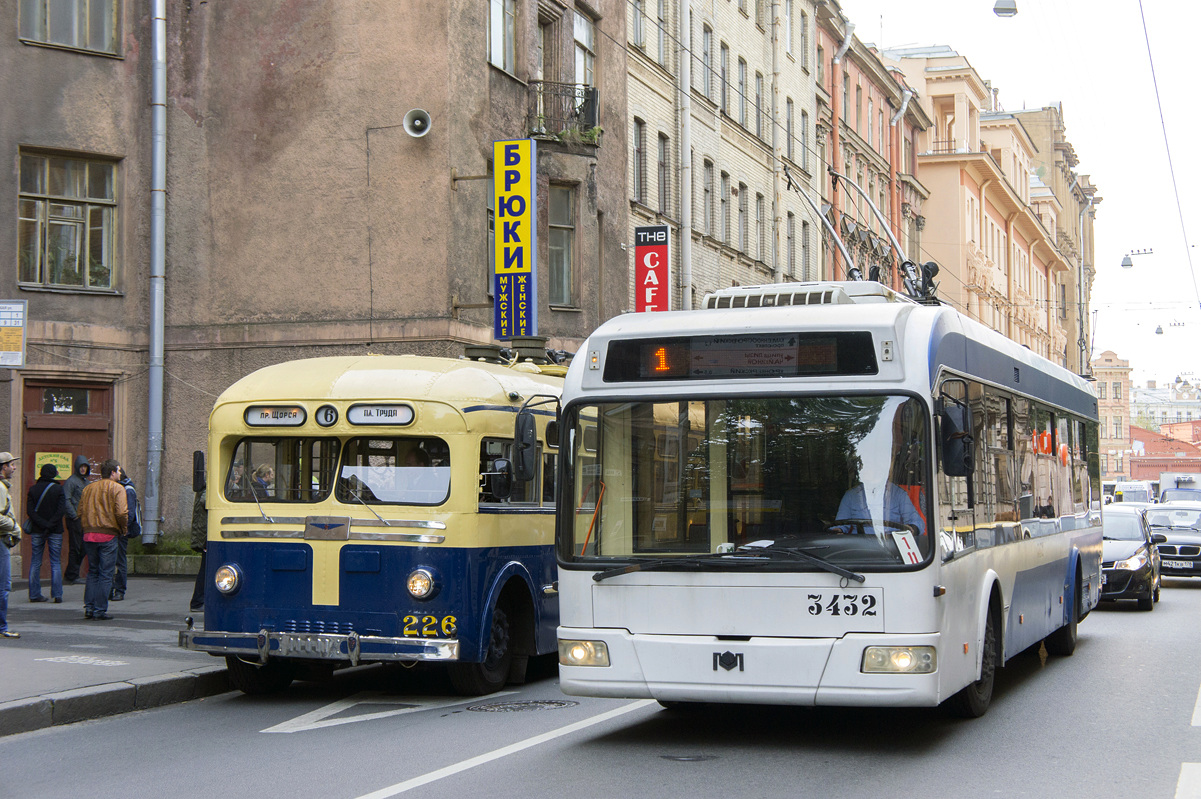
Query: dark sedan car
(1180, 525)
(1129, 560)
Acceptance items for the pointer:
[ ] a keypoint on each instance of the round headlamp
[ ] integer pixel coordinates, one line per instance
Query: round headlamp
(228, 578)
(421, 583)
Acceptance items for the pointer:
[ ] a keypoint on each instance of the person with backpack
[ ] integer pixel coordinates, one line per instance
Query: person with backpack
(45, 504)
(133, 528)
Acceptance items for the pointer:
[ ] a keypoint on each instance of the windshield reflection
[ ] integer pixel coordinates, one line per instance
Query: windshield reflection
(844, 478)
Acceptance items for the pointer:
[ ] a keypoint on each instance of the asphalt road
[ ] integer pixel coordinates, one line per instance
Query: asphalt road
(1116, 719)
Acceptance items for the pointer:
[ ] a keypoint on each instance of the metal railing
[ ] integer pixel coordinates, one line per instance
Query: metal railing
(556, 109)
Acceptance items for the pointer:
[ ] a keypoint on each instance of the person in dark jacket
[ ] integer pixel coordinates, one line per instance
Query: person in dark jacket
(45, 505)
(200, 534)
(73, 490)
(134, 528)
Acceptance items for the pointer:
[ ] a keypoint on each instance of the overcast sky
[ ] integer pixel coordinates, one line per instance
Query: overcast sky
(1093, 59)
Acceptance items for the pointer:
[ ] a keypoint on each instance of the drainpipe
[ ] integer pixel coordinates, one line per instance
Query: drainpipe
(836, 89)
(1085, 359)
(777, 201)
(158, 259)
(685, 94)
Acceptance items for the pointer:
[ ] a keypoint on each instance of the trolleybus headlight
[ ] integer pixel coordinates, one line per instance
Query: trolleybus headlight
(583, 653)
(421, 583)
(228, 578)
(899, 660)
(1132, 563)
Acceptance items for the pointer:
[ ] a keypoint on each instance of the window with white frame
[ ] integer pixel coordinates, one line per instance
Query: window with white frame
(79, 24)
(804, 40)
(805, 262)
(662, 32)
(502, 34)
(637, 32)
(760, 228)
(790, 243)
(743, 222)
(707, 61)
(742, 92)
(639, 160)
(707, 198)
(724, 218)
(759, 104)
(788, 135)
(664, 172)
(585, 50)
(805, 140)
(788, 26)
(724, 96)
(562, 244)
(66, 222)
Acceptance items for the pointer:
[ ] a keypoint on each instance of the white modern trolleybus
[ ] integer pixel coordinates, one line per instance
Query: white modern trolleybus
(819, 494)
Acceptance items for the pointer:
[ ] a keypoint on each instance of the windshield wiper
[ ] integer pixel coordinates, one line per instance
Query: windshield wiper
(800, 554)
(356, 495)
(255, 494)
(727, 558)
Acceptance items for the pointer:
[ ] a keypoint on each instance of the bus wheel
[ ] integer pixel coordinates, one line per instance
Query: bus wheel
(252, 678)
(477, 679)
(973, 701)
(1062, 642)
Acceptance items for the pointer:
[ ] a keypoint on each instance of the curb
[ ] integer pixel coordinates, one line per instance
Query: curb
(110, 699)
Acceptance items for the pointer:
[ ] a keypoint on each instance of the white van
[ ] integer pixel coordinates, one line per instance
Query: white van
(1133, 491)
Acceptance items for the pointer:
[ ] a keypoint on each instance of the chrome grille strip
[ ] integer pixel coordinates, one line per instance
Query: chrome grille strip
(419, 523)
(404, 538)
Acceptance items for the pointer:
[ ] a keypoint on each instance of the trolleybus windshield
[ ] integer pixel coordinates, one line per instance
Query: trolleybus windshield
(844, 478)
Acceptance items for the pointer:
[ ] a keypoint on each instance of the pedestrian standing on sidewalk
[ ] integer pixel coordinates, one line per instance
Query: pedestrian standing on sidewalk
(104, 514)
(10, 532)
(73, 489)
(200, 543)
(45, 505)
(134, 528)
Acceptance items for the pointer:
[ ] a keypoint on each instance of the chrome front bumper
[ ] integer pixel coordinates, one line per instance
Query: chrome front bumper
(353, 648)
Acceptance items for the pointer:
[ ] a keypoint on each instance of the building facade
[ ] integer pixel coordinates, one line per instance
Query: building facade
(304, 215)
(1113, 387)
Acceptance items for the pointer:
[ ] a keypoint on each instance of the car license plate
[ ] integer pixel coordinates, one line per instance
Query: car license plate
(1177, 564)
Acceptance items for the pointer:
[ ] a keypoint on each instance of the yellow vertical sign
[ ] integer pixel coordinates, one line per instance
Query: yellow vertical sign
(515, 311)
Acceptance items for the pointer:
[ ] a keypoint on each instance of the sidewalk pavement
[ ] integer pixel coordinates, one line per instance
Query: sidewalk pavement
(64, 668)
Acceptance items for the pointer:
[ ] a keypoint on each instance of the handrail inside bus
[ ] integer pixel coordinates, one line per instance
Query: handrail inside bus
(595, 511)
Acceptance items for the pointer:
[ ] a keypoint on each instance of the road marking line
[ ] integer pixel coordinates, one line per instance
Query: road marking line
(1189, 784)
(504, 751)
(319, 718)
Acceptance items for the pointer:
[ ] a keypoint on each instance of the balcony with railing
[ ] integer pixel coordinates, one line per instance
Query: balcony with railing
(568, 112)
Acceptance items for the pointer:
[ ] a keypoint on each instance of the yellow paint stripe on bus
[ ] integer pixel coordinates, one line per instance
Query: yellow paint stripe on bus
(326, 556)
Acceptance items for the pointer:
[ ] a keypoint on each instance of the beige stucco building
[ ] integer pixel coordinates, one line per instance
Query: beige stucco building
(1112, 376)
(1000, 228)
(302, 218)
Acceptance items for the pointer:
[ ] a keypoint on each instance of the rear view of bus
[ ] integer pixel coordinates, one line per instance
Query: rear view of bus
(770, 504)
(363, 510)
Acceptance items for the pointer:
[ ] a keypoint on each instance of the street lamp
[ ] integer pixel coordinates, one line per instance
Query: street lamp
(1005, 8)
(1127, 262)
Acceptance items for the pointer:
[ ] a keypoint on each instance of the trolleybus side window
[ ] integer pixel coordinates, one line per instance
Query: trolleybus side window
(492, 450)
(285, 469)
(400, 470)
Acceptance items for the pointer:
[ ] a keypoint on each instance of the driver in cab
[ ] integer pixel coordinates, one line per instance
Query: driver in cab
(893, 502)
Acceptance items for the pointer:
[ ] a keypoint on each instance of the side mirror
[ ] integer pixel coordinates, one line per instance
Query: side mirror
(198, 481)
(525, 449)
(958, 451)
(500, 479)
(1159, 538)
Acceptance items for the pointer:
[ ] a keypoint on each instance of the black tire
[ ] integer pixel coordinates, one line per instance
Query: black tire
(1147, 602)
(973, 701)
(256, 679)
(477, 679)
(1158, 585)
(1062, 642)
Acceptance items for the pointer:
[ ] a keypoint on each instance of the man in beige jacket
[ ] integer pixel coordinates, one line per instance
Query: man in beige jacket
(11, 533)
(104, 515)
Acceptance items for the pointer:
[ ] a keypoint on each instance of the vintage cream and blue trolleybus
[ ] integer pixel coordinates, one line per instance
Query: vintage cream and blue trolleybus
(819, 494)
(362, 509)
